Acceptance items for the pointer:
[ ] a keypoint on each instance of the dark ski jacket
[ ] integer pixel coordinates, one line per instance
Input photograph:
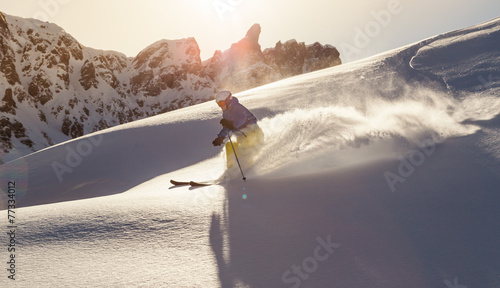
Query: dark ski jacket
(239, 115)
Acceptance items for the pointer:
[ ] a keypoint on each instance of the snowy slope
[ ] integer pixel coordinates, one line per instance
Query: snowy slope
(379, 173)
(54, 89)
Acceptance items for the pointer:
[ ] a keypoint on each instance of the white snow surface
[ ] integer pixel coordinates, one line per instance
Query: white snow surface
(394, 161)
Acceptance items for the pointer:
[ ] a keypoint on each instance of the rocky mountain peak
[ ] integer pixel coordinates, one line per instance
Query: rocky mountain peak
(252, 36)
(249, 44)
(168, 52)
(244, 65)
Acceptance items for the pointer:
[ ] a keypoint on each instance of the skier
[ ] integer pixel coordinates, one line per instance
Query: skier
(238, 119)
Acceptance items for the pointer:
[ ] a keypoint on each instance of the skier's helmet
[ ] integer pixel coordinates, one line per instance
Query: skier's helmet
(223, 96)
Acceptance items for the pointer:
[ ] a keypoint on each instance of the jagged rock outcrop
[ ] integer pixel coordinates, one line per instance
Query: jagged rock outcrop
(40, 88)
(3, 24)
(246, 51)
(294, 58)
(9, 129)
(88, 76)
(8, 105)
(74, 90)
(245, 65)
(7, 66)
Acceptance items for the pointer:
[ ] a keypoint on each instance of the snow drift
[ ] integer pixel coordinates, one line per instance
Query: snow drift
(379, 173)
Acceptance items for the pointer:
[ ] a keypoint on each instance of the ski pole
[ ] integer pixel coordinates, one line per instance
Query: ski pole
(241, 132)
(238, 161)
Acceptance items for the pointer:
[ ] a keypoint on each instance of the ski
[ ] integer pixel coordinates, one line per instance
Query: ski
(199, 184)
(176, 183)
(191, 183)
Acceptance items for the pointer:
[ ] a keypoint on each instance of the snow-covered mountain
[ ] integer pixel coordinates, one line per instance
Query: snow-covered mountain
(385, 175)
(54, 89)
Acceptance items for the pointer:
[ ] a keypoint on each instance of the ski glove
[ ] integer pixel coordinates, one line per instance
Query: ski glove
(227, 124)
(218, 141)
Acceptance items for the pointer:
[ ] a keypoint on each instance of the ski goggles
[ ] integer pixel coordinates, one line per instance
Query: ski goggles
(221, 103)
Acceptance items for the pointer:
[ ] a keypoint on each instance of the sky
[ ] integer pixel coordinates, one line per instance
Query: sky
(358, 28)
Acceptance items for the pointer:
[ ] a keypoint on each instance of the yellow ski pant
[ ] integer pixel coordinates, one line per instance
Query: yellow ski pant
(245, 147)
